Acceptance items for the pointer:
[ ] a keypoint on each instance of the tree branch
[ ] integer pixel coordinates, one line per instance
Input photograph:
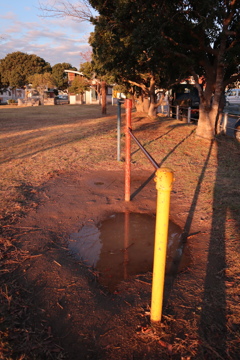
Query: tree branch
(142, 86)
(232, 79)
(81, 11)
(199, 49)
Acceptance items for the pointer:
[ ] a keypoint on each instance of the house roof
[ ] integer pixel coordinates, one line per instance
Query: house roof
(74, 72)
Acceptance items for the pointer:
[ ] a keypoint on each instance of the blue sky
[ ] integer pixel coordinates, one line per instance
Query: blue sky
(56, 40)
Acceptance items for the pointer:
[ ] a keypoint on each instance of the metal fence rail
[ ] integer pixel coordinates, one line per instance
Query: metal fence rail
(227, 122)
(182, 112)
(146, 153)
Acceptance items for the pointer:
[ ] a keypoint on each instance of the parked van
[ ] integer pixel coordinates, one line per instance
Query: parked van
(233, 97)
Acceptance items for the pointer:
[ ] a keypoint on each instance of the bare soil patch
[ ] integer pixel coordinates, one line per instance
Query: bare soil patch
(59, 172)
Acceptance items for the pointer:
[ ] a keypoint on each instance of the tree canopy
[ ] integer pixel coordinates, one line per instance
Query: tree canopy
(86, 69)
(125, 44)
(60, 77)
(42, 82)
(170, 39)
(16, 67)
(79, 85)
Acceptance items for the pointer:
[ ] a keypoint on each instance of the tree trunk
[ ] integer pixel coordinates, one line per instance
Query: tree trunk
(139, 104)
(104, 97)
(209, 113)
(210, 100)
(133, 99)
(145, 103)
(152, 110)
(206, 121)
(41, 102)
(81, 98)
(221, 108)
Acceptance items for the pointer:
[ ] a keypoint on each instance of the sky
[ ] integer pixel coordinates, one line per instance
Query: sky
(56, 40)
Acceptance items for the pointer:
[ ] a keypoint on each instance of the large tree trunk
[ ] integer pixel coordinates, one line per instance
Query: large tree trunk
(145, 103)
(139, 103)
(210, 99)
(142, 102)
(206, 121)
(209, 113)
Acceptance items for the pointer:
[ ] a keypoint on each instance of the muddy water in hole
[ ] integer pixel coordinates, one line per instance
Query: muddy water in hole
(122, 246)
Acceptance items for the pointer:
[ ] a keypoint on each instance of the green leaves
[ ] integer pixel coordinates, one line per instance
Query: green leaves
(42, 81)
(60, 77)
(16, 67)
(127, 41)
(79, 85)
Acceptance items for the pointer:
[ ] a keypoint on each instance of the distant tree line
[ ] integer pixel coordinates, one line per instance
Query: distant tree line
(18, 69)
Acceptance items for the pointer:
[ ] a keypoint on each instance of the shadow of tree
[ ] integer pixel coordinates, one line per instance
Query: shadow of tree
(214, 326)
(219, 329)
(50, 134)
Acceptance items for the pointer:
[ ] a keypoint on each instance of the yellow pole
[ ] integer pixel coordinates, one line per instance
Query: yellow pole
(164, 180)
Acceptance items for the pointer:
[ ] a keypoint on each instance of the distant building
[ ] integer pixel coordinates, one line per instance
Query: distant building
(90, 96)
(11, 94)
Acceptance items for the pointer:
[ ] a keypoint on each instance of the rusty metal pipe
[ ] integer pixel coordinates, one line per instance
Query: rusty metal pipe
(150, 158)
(128, 105)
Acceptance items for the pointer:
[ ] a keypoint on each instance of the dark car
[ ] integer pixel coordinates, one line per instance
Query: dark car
(237, 130)
(186, 100)
(62, 97)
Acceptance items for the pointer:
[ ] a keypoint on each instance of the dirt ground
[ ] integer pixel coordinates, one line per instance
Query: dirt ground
(54, 306)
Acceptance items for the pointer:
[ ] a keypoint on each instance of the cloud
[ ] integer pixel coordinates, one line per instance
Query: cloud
(15, 28)
(8, 16)
(74, 27)
(55, 40)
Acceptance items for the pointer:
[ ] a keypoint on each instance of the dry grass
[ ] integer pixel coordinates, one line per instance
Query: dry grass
(39, 143)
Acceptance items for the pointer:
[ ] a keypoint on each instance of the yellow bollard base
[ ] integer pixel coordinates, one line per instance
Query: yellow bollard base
(164, 180)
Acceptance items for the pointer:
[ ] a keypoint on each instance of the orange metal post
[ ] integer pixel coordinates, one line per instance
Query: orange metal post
(128, 150)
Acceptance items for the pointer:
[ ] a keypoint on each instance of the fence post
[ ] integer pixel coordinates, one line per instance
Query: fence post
(119, 130)
(177, 112)
(164, 180)
(189, 115)
(128, 103)
(225, 121)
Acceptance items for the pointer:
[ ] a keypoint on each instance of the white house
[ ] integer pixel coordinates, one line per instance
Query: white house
(11, 94)
(90, 96)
